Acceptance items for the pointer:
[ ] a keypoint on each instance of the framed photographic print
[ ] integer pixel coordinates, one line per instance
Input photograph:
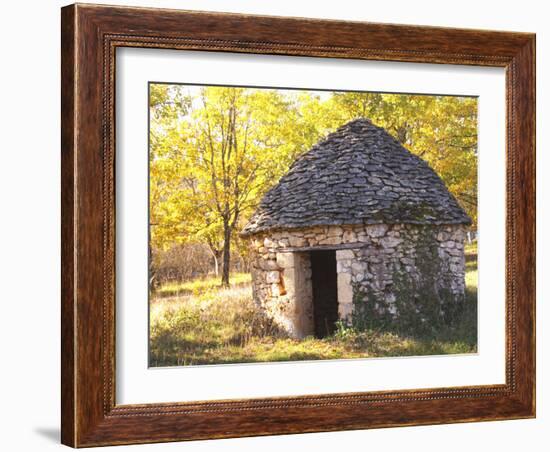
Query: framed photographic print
(281, 225)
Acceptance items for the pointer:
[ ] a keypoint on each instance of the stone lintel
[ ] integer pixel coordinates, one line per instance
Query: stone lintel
(343, 246)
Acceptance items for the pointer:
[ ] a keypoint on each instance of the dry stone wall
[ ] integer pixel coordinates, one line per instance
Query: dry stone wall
(389, 269)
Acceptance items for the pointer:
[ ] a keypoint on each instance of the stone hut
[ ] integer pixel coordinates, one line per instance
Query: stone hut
(358, 225)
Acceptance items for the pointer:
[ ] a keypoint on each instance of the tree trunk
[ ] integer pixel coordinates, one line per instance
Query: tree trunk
(153, 282)
(402, 135)
(216, 255)
(226, 254)
(216, 266)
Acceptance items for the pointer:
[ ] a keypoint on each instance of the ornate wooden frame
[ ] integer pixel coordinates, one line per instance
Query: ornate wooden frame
(90, 35)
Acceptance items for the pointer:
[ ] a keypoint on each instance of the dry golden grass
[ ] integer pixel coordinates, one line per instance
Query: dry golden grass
(200, 322)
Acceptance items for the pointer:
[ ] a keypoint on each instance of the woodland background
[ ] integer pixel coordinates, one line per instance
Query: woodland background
(214, 152)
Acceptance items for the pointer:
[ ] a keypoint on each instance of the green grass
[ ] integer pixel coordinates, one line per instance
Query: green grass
(200, 286)
(199, 322)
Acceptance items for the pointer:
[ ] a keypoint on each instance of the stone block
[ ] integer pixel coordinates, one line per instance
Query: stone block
(342, 266)
(456, 268)
(331, 241)
(344, 254)
(272, 277)
(345, 290)
(312, 241)
(375, 180)
(268, 264)
(275, 290)
(390, 242)
(335, 231)
(285, 260)
(349, 237)
(377, 230)
(374, 259)
(458, 235)
(297, 241)
(378, 283)
(363, 238)
(442, 236)
(345, 311)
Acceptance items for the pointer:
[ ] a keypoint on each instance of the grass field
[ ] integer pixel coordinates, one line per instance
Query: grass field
(198, 322)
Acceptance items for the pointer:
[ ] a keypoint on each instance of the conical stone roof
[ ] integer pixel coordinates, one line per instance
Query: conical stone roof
(359, 174)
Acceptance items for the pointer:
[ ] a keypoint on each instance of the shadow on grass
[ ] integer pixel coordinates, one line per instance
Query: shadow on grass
(174, 348)
(233, 330)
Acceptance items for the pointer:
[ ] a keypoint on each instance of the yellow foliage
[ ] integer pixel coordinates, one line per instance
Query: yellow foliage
(214, 151)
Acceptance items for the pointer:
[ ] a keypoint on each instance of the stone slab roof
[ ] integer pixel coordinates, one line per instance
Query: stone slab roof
(359, 174)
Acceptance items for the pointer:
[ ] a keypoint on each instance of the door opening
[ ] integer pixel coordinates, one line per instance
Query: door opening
(325, 291)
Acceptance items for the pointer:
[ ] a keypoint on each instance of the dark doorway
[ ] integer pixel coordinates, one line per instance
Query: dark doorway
(325, 292)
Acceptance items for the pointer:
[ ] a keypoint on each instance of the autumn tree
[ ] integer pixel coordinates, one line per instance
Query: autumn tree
(217, 161)
(167, 104)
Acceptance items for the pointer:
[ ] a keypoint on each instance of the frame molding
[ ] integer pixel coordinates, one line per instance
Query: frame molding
(90, 35)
